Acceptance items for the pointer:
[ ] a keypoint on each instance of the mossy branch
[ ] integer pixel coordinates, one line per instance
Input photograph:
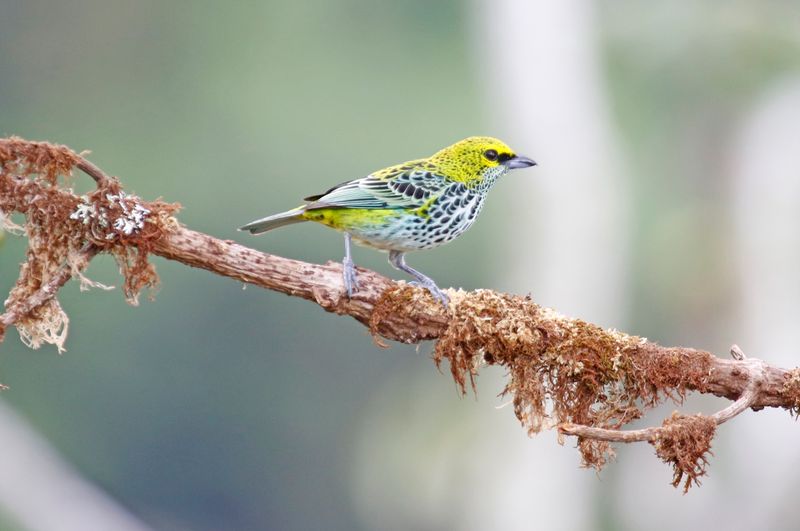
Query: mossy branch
(586, 381)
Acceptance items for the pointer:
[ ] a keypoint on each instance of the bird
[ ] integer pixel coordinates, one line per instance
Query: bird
(413, 206)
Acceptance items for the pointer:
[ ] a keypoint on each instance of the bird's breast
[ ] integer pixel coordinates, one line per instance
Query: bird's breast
(447, 218)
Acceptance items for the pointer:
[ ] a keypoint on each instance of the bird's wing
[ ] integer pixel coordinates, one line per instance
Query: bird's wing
(408, 185)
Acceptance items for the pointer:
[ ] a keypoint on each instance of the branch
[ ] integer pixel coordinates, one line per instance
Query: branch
(24, 308)
(563, 372)
(755, 379)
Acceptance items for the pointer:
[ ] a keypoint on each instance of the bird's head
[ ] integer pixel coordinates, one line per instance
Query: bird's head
(477, 159)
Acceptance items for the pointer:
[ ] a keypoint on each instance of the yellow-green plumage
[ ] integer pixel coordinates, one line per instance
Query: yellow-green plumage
(416, 205)
(348, 219)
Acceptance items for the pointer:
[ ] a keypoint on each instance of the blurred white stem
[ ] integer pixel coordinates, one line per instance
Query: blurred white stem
(566, 221)
(40, 492)
(765, 163)
(567, 232)
(766, 220)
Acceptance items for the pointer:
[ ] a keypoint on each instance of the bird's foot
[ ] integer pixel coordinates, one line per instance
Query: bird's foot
(349, 277)
(433, 289)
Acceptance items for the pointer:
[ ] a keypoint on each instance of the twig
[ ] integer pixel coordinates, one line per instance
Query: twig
(49, 290)
(756, 377)
(92, 171)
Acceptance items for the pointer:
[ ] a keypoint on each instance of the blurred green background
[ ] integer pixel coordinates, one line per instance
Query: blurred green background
(215, 407)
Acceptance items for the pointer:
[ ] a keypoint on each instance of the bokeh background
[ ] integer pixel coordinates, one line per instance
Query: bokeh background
(666, 203)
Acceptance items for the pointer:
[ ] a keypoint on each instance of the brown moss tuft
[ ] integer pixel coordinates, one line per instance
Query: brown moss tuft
(60, 225)
(791, 389)
(594, 453)
(684, 442)
(564, 370)
(23, 158)
(480, 330)
(393, 301)
(407, 314)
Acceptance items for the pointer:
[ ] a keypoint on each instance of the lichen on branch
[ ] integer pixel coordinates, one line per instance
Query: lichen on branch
(61, 227)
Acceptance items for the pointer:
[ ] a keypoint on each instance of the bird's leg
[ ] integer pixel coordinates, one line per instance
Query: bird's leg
(398, 261)
(348, 268)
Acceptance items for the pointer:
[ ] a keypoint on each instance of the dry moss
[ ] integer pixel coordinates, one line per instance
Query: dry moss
(791, 388)
(60, 225)
(401, 303)
(563, 370)
(684, 442)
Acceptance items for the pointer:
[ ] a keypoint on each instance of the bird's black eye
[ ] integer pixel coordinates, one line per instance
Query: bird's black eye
(490, 154)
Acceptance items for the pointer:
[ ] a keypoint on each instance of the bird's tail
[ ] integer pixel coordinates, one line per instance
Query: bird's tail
(276, 220)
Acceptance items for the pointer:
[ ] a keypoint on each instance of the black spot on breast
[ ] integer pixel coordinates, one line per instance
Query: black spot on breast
(445, 219)
(437, 214)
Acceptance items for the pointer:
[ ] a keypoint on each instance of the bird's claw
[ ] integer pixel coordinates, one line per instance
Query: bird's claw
(349, 277)
(434, 290)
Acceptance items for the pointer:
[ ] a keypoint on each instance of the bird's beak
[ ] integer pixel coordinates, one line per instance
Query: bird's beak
(518, 161)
